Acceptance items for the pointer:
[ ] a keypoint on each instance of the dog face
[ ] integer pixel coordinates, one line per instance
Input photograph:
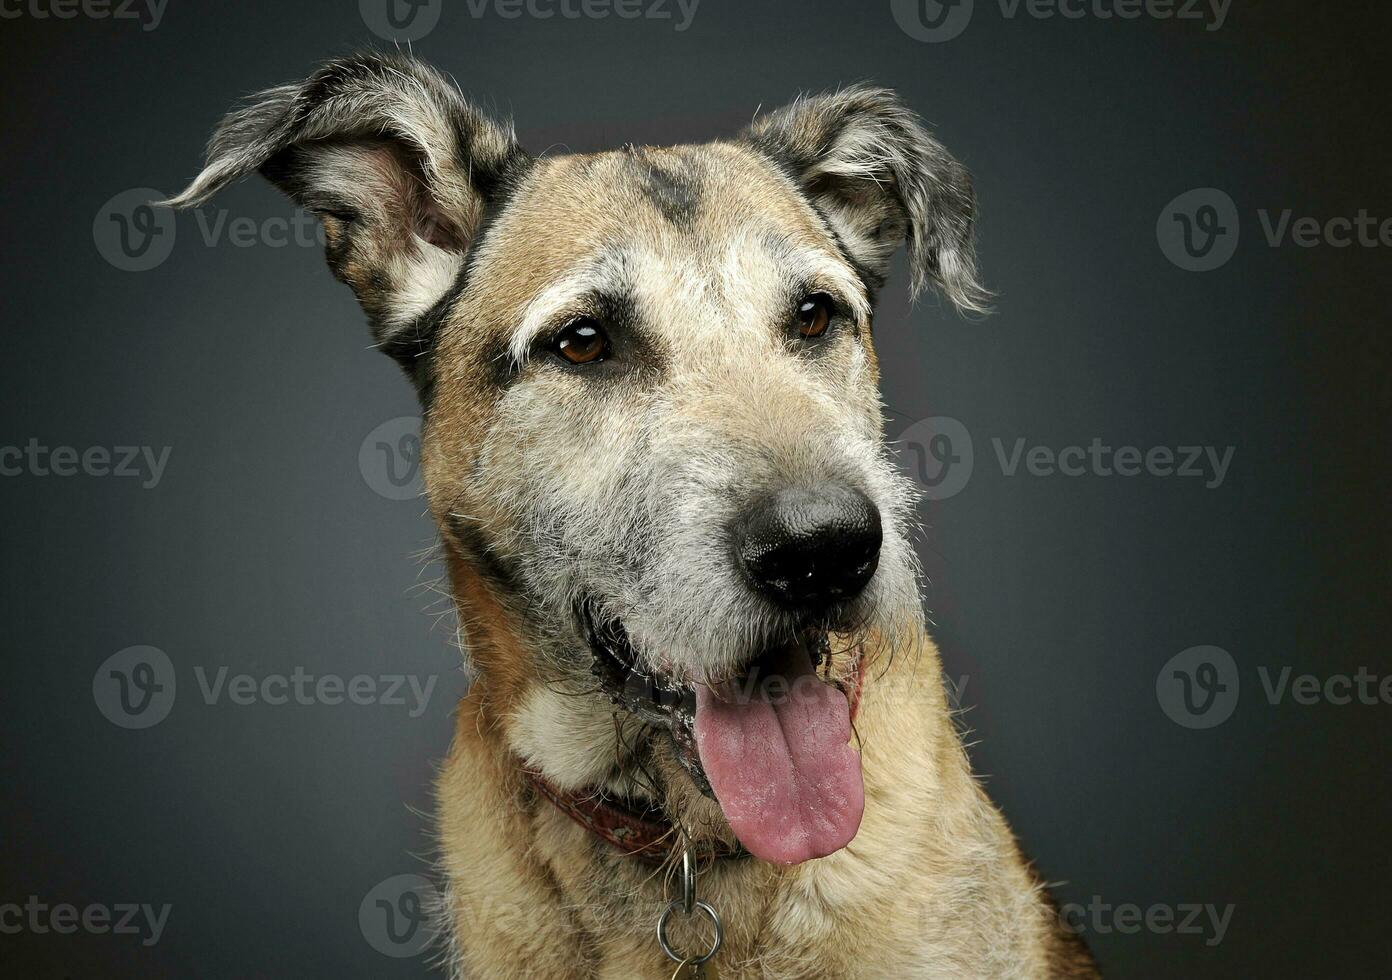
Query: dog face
(652, 435)
(672, 340)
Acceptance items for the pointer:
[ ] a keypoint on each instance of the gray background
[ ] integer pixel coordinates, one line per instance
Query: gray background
(264, 547)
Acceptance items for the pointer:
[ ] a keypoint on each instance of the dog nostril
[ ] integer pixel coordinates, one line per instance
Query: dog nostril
(809, 547)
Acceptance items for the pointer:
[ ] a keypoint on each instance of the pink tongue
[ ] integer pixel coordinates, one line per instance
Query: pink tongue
(776, 754)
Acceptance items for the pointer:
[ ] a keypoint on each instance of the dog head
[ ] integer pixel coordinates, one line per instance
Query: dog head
(652, 432)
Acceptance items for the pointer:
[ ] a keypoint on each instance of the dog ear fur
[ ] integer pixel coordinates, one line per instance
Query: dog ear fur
(878, 178)
(394, 162)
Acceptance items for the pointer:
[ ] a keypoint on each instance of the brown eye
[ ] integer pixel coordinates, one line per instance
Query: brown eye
(814, 315)
(582, 342)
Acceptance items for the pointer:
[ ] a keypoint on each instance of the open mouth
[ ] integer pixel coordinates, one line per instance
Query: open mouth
(770, 745)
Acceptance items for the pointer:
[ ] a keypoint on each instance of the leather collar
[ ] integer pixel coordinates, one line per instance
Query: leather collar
(648, 836)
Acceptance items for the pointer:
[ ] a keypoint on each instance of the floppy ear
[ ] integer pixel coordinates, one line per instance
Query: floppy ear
(398, 167)
(866, 162)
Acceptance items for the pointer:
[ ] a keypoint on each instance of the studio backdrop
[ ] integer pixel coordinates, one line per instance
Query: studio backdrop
(1154, 525)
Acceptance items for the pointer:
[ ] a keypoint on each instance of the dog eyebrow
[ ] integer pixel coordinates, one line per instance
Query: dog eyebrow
(805, 266)
(612, 273)
(822, 269)
(570, 295)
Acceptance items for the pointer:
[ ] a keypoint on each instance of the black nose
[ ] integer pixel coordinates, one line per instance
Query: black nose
(810, 547)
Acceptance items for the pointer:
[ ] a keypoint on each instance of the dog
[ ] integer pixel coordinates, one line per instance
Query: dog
(678, 547)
